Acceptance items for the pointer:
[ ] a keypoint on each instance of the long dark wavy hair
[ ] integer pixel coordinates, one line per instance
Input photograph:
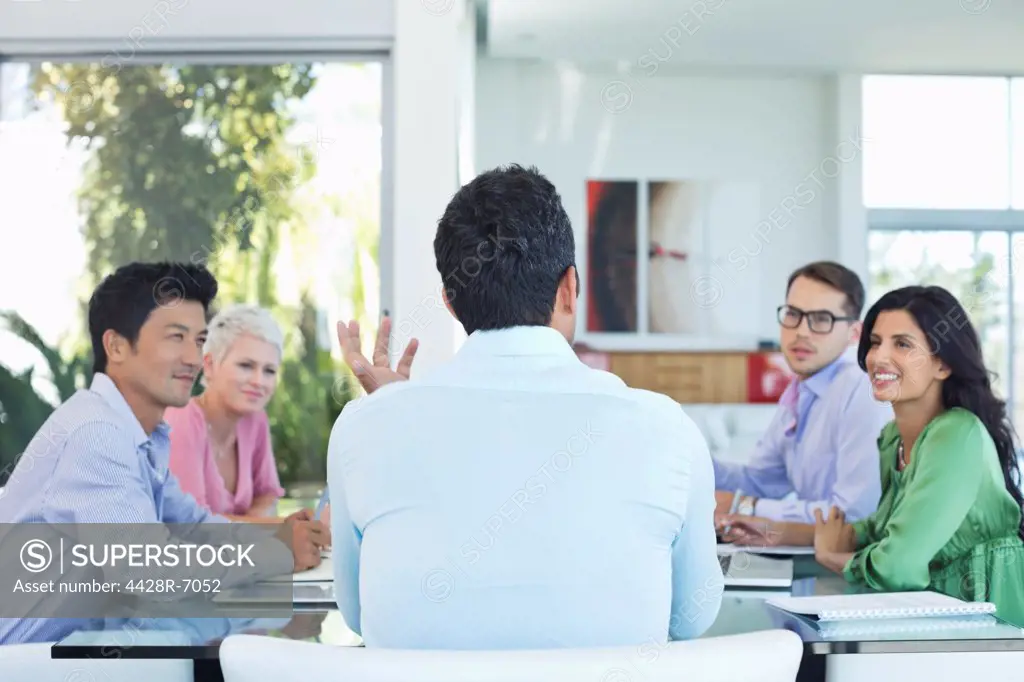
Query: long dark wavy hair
(954, 340)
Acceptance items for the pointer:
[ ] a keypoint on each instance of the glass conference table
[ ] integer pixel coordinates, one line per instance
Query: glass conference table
(742, 611)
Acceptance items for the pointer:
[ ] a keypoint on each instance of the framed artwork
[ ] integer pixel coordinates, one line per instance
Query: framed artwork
(612, 218)
(654, 276)
(676, 235)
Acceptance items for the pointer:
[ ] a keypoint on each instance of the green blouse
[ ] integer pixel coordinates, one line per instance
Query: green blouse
(946, 522)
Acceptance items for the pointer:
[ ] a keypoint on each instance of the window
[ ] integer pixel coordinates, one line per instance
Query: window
(268, 173)
(944, 188)
(937, 142)
(941, 142)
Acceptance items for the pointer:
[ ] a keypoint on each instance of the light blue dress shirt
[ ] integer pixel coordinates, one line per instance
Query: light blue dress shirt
(830, 458)
(516, 498)
(92, 462)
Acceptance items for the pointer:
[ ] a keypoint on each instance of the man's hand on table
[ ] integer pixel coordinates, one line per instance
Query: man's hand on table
(749, 531)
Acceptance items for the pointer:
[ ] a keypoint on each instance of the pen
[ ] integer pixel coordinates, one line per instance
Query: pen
(732, 508)
(324, 499)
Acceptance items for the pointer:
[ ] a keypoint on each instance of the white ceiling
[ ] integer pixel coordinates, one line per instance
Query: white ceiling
(910, 36)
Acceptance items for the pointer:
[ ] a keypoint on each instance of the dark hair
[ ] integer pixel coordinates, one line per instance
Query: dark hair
(839, 277)
(952, 337)
(124, 299)
(502, 246)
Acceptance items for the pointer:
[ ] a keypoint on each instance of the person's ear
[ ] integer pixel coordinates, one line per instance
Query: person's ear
(568, 290)
(207, 365)
(856, 329)
(447, 303)
(116, 347)
(943, 371)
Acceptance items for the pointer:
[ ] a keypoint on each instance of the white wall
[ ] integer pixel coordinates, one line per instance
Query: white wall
(849, 206)
(783, 133)
(427, 95)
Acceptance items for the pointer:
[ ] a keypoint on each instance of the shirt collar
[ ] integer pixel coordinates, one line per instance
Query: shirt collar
(105, 387)
(818, 382)
(518, 341)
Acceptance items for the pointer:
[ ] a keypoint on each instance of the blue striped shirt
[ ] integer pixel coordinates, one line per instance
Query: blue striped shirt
(92, 462)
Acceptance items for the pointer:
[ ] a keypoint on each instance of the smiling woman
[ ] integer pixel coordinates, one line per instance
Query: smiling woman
(220, 441)
(949, 518)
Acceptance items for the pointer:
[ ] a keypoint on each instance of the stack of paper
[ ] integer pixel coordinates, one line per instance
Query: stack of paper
(322, 573)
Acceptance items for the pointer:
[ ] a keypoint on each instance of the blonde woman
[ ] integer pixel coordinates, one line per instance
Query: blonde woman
(220, 441)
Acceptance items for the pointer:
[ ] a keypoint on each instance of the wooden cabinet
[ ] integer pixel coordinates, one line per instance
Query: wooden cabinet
(686, 377)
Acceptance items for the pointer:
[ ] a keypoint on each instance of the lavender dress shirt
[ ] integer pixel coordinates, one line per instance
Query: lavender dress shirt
(820, 450)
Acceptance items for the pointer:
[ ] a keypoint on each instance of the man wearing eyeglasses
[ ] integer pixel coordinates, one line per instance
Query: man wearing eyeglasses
(820, 450)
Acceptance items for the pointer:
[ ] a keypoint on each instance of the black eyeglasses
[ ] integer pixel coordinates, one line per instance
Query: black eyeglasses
(819, 321)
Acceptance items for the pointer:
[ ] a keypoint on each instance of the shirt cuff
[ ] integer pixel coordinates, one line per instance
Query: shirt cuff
(769, 509)
(853, 569)
(859, 532)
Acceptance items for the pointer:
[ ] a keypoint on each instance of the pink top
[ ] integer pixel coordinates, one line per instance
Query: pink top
(192, 460)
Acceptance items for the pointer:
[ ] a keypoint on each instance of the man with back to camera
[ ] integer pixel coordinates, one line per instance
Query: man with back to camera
(103, 455)
(822, 443)
(514, 497)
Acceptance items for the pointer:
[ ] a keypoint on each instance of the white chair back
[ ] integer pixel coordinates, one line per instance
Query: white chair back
(32, 663)
(768, 656)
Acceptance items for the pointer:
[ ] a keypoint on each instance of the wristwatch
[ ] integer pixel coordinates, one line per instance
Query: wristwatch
(746, 506)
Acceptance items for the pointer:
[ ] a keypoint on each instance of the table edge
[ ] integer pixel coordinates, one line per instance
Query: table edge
(194, 652)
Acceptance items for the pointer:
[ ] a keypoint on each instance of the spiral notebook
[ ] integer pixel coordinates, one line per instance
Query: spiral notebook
(966, 626)
(878, 606)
